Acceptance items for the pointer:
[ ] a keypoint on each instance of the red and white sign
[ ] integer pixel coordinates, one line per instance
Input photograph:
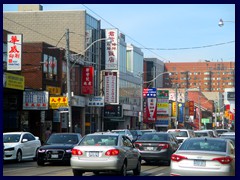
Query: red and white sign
(87, 80)
(35, 100)
(111, 50)
(14, 52)
(110, 87)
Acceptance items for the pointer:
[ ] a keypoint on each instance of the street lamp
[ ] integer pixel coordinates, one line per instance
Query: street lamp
(144, 82)
(68, 74)
(221, 22)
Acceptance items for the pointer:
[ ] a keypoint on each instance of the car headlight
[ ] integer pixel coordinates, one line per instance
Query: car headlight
(9, 149)
(41, 150)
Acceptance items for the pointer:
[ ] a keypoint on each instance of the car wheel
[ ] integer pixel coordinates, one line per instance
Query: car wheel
(40, 162)
(123, 171)
(137, 171)
(77, 172)
(19, 156)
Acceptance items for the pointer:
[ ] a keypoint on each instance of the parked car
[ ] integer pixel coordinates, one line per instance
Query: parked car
(124, 131)
(156, 146)
(202, 133)
(58, 148)
(136, 134)
(147, 131)
(105, 152)
(204, 157)
(20, 145)
(212, 132)
(182, 134)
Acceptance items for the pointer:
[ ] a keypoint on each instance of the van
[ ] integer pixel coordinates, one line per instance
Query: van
(182, 134)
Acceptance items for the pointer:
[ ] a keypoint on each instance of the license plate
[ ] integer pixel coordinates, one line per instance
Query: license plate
(199, 163)
(149, 148)
(54, 156)
(93, 154)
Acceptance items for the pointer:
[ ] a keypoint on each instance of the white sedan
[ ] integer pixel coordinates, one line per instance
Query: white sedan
(20, 145)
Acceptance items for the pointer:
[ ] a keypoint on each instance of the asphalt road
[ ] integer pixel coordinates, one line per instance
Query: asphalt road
(30, 168)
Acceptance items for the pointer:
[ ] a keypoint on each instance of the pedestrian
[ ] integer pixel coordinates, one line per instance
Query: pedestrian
(47, 133)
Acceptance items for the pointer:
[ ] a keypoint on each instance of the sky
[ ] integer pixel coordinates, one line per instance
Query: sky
(169, 32)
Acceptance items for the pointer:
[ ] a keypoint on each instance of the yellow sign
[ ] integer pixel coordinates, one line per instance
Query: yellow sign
(58, 102)
(13, 81)
(53, 90)
(162, 105)
(174, 109)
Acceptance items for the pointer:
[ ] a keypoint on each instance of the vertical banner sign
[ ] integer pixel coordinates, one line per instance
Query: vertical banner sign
(111, 51)
(110, 92)
(150, 105)
(162, 102)
(14, 52)
(87, 80)
(191, 108)
(174, 109)
(181, 112)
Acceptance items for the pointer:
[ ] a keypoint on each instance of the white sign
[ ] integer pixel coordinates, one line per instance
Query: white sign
(14, 52)
(35, 100)
(111, 51)
(78, 101)
(96, 101)
(110, 92)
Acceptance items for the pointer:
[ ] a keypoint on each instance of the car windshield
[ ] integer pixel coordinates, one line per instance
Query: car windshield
(99, 140)
(154, 137)
(204, 145)
(62, 139)
(11, 138)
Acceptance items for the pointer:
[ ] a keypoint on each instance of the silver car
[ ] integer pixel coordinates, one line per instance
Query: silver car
(103, 152)
(204, 156)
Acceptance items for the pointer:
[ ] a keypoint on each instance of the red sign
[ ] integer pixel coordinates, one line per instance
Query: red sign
(87, 80)
(191, 108)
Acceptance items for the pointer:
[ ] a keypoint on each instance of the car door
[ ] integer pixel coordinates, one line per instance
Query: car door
(131, 152)
(26, 146)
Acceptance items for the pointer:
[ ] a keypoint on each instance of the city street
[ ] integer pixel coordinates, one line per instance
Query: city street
(30, 168)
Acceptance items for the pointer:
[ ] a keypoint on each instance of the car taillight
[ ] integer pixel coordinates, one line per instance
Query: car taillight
(163, 145)
(77, 152)
(177, 158)
(223, 160)
(137, 145)
(112, 152)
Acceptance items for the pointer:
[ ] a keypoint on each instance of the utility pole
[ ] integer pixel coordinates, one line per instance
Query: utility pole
(68, 83)
(176, 89)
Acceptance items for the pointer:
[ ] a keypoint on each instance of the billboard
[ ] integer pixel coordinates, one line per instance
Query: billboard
(87, 80)
(111, 87)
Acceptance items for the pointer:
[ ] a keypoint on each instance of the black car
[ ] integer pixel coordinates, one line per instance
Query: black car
(58, 148)
(156, 146)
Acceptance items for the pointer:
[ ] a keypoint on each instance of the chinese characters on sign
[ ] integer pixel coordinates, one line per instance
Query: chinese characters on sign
(58, 102)
(87, 80)
(14, 52)
(149, 105)
(112, 49)
(35, 100)
(110, 92)
(191, 108)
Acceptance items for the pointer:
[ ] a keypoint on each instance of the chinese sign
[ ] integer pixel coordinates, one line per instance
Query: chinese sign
(53, 90)
(87, 80)
(191, 108)
(111, 61)
(96, 101)
(113, 111)
(35, 100)
(14, 52)
(149, 105)
(13, 81)
(58, 102)
(110, 92)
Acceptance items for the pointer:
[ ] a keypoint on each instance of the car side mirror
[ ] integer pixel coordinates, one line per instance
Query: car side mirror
(24, 140)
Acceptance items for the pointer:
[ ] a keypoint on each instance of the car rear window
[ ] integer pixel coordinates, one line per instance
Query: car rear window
(99, 140)
(180, 133)
(204, 145)
(154, 137)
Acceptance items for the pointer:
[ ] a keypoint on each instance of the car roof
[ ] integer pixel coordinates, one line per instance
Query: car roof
(228, 133)
(16, 132)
